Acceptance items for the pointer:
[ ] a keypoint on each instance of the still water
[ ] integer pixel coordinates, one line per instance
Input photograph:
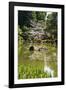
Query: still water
(39, 63)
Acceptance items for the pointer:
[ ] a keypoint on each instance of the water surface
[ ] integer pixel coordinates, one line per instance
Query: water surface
(38, 63)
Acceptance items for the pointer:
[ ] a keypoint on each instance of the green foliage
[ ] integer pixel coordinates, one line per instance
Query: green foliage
(24, 18)
(20, 38)
(34, 16)
(30, 71)
(51, 24)
(52, 21)
(25, 33)
(35, 68)
(40, 16)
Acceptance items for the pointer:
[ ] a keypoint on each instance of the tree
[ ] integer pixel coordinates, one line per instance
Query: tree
(34, 16)
(40, 16)
(24, 18)
(51, 24)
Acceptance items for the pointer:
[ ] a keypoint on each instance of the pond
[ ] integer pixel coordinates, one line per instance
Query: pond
(37, 63)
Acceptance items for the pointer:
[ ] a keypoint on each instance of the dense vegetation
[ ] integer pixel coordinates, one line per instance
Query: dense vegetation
(48, 22)
(36, 30)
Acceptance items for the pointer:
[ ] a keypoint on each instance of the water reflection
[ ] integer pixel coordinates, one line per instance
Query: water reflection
(43, 56)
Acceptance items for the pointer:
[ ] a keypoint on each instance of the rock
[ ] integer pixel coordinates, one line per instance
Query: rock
(40, 49)
(31, 48)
